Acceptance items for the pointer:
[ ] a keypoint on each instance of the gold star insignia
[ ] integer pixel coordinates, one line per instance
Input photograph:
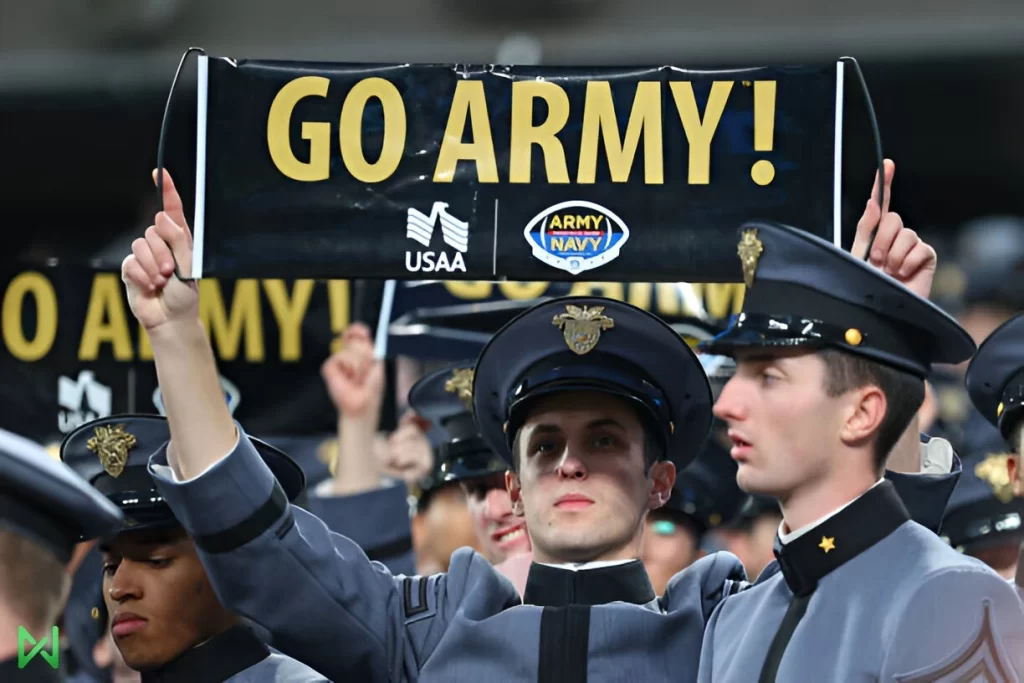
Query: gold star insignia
(582, 327)
(828, 544)
(461, 383)
(749, 250)
(112, 443)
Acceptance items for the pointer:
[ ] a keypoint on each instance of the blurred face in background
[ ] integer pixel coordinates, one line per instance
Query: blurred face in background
(752, 544)
(499, 531)
(440, 527)
(670, 545)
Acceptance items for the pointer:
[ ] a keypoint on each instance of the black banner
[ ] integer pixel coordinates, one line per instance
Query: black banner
(452, 320)
(522, 173)
(72, 350)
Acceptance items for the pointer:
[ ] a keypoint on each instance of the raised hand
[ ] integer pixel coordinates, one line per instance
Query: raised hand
(354, 378)
(897, 250)
(155, 294)
(408, 455)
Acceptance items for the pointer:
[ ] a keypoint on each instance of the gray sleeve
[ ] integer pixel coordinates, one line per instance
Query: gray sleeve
(961, 623)
(377, 521)
(324, 602)
(706, 583)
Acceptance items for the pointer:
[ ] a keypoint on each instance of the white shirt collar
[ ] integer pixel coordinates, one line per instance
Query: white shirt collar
(793, 535)
(580, 566)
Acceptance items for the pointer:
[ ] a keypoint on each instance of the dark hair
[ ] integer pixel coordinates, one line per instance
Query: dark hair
(904, 394)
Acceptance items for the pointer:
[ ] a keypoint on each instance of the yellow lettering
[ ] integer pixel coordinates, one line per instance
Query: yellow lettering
(699, 133)
(612, 290)
(644, 119)
(469, 289)
(525, 135)
(669, 299)
(639, 294)
(722, 299)
(36, 285)
(352, 130)
(339, 305)
(520, 291)
(289, 312)
(468, 102)
(318, 133)
(225, 331)
(105, 320)
(569, 222)
(556, 222)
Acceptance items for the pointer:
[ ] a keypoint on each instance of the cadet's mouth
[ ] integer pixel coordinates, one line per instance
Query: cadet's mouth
(509, 534)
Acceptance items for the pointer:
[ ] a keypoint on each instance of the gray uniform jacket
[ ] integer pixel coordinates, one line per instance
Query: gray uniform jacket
(328, 605)
(868, 595)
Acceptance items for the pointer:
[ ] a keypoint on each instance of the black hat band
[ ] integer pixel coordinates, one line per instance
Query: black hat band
(1011, 404)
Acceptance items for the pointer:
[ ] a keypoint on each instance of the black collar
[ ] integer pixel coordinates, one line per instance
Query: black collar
(37, 670)
(548, 586)
(218, 659)
(840, 538)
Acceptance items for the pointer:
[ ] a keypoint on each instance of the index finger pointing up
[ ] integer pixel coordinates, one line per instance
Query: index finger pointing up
(172, 201)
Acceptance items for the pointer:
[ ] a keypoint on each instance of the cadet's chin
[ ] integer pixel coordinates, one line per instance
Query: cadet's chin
(752, 480)
(139, 658)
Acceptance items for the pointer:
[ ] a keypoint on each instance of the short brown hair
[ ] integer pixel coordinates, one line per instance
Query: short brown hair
(904, 394)
(33, 582)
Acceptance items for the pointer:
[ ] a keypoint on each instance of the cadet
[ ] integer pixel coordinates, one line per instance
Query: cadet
(165, 617)
(995, 383)
(983, 519)
(445, 398)
(45, 509)
(831, 358)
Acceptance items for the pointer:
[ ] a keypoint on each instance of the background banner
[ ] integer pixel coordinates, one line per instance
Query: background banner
(72, 350)
(466, 172)
(452, 320)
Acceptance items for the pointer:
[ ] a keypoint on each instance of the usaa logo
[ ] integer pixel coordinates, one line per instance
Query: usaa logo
(232, 396)
(576, 236)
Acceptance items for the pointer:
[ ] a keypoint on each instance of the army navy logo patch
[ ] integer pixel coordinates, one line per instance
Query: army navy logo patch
(576, 236)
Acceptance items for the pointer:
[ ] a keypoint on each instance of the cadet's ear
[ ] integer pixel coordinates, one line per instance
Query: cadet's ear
(1016, 475)
(515, 492)
(867, 407)
(663, 478)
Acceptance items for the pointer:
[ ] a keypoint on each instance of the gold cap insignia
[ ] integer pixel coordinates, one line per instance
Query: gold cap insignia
(327, 453)
(994, 472)
(461, 383)
(582, 327)
(854, 337)
(112, 443)
(749, 251)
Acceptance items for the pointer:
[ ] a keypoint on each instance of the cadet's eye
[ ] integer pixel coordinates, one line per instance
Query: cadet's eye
(158, 562)
(605, 441)
(768, 378)
(544, 447)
